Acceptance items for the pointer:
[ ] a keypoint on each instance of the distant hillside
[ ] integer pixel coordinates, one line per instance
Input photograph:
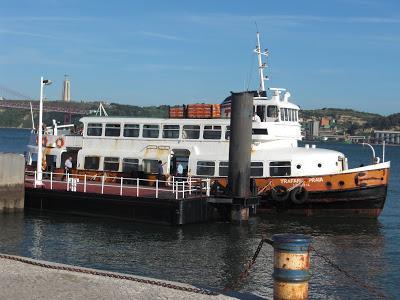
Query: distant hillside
(389, 122)
(337, 113)
(345, 118)
(21, 118)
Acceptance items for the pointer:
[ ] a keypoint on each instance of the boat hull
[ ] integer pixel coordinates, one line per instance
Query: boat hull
(360, 191)
(366, 201)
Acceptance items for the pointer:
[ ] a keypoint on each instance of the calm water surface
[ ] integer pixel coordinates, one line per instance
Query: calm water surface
(213, 254)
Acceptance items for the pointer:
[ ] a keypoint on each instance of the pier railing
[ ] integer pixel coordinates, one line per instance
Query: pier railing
(175, 187)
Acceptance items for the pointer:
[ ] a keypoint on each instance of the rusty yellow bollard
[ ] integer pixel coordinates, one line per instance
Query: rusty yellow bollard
(291, 266)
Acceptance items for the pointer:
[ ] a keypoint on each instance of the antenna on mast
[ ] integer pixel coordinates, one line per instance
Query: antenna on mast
(261, 65)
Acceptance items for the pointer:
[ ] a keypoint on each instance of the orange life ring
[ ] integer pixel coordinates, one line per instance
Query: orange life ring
(44, 140)
(60, 142)
(44, 163)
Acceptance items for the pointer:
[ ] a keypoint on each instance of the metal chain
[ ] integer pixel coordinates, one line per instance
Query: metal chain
(245, 273)
(110, 275)
(360, 283)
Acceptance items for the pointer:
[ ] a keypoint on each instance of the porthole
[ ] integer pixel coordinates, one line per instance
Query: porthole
(328, 184)
(341, 183)
(319, 165)
(298, 166)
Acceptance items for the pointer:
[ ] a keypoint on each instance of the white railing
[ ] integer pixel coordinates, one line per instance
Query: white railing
(176, 187)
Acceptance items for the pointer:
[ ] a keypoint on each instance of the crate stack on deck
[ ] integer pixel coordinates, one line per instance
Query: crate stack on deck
(196, 111)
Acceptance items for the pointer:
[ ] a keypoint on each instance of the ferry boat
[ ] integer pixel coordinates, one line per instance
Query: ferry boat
(286, 177)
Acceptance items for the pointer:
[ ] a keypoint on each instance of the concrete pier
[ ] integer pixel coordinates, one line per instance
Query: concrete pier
(12, 190)
(24, 278)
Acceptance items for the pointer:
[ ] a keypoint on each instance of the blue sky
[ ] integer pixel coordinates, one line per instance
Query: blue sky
(338, 53)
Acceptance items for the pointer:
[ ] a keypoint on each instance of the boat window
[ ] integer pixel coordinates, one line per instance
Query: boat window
(291, 115)
(94, 129)
(272, 111)
(113, 129)
(111, 164)
(131, 130)
(150, 165)
(92, 162)
(205, 168)
(282, 114)
(212, 132)
(256, 168)
(191, 132)
(279, 168)
(151, 131)
(260, 131)
(286, 114)
(223, 168)
(171, 131)
(261, 112)
(227, 132)
(130, 165)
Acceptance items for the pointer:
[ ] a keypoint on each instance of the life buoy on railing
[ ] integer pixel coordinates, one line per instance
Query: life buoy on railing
(279, 193)
(44, 140)
(299, 195)
(60, 142)
(44, 163)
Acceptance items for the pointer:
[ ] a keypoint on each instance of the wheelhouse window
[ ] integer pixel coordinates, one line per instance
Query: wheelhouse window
(223, 168)
(151, 131)
(191, 132)
(261, 112)
(111, 164)
(94, 129)
(227, 132)
(286, 114)
(205, 168)
(212, 132)
(272, 111)
(171, 131)
(256, 168)
(113, 129)
(279, 168)
(131, 130)
(130, 165)
(92, 162)
(150, 165)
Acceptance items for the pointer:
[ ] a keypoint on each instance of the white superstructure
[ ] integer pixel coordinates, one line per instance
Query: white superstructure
(130, 145)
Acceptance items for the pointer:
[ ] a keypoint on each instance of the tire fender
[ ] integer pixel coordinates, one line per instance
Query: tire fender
(299, 195)
(279, 193)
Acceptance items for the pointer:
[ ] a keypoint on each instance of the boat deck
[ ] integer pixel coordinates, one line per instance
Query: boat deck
(124, 187)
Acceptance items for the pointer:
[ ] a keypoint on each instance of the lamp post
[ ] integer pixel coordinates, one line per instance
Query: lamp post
(39, 176)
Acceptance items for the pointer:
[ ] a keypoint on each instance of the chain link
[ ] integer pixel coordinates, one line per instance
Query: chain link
(360, 283)
(245, 273)
(110, 275)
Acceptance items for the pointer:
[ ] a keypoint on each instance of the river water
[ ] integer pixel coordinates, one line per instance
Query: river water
(214, 254)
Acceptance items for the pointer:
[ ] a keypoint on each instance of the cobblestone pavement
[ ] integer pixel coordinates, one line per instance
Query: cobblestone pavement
(19, 280)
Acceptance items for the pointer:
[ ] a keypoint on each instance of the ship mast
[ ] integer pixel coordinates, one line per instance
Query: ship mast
(261, 65)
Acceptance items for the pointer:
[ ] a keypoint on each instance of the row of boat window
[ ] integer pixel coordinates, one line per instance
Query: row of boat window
(203, 167)
(287, 114)
(210, 132)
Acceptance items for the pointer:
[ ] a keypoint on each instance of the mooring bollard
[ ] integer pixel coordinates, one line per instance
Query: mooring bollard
(291, 266)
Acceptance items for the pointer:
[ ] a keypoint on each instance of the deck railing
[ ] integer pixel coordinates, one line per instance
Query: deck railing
(176, 187)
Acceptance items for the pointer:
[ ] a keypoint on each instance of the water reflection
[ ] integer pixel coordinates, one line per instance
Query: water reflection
(205, 255)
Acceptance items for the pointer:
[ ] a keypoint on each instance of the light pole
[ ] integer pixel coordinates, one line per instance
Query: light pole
(39, 176)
